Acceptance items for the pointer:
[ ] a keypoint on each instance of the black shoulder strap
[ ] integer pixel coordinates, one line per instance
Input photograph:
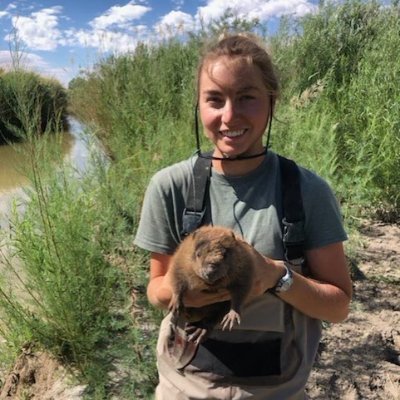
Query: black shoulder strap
(195, 206)
(292, 205)
(292, 211)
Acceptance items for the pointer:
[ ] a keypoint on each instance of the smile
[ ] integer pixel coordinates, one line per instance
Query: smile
(232, 134)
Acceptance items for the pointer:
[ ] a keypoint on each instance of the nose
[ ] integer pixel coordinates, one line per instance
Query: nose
(229, 112)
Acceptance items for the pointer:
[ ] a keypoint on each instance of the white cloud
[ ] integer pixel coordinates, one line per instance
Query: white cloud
(175, 22)
(115, 30)
(178, 3)
(249, 9)
(33, 62)
(40, 30)
(277, 8)
(104, 41)
(120, 15)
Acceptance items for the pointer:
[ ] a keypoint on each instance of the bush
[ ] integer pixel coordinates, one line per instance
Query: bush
(31, 105)
(340, 68)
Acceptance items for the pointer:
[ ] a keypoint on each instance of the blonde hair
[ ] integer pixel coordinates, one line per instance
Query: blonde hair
(247, 47)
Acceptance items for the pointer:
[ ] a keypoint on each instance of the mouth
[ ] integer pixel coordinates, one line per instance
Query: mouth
(233, 134)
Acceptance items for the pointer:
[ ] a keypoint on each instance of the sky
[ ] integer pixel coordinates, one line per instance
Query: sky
(59, 38)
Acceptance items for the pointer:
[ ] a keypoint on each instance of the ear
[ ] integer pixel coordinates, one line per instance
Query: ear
(229, 240)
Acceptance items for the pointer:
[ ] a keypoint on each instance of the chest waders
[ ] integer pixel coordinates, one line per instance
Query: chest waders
(272, 359)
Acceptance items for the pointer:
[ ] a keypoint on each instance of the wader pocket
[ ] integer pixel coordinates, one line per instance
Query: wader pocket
(173, 343)
(239, 359)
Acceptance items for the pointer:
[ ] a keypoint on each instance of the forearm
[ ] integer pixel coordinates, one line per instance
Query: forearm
(158, 293)
(316, 299)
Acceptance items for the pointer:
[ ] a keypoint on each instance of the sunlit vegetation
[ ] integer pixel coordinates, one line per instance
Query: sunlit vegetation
(30, 104)
(338, 114)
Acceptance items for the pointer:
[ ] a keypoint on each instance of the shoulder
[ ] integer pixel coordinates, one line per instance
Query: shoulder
(177, 175)
(310, 182)
(314, 187)
(323, 218)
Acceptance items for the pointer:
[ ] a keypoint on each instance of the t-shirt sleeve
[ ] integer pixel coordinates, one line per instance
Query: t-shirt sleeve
(323, 218)
(161, 214)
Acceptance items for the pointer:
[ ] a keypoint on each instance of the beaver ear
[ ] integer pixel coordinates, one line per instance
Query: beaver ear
(228, 240)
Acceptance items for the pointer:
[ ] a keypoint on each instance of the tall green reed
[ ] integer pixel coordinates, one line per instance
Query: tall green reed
(64, 286)
(28, 99)
(348, 49)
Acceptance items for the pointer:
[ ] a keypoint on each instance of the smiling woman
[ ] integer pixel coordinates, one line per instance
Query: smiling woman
(270, 355)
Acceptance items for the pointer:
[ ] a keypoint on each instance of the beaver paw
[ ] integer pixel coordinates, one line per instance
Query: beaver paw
(195, 333)
(230, 319)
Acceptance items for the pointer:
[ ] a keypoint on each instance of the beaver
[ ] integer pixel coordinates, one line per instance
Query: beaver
(209, 259)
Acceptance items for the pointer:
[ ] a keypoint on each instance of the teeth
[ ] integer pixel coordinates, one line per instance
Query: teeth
(233, 133)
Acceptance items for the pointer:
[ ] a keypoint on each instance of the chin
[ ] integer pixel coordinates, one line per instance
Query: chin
(230, 153)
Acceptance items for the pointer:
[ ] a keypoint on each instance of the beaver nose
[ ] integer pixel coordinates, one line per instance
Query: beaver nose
(211, 273)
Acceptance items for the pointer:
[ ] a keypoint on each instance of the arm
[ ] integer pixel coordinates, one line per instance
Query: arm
(326, 294)
(159, 291)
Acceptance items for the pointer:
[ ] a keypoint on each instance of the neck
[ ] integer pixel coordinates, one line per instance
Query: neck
(237, 167)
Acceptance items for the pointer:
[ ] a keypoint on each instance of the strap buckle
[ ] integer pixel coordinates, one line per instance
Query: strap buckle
(293, 239)
(191, 220)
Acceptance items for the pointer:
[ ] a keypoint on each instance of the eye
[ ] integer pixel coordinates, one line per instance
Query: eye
(214, 101)
(198, 254)
(199, 248)
(246, 97)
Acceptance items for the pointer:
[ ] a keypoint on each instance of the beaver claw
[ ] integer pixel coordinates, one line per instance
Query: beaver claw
(230, 319)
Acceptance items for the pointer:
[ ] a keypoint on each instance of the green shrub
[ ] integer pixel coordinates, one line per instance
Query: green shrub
(31, 105)
(67, 276)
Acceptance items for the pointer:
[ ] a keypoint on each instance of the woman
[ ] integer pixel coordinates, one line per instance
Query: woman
(269, 356)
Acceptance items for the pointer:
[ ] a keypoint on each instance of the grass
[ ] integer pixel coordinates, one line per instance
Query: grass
(71, 250)
(65, 288)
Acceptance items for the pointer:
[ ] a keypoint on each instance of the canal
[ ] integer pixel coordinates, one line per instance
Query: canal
(13, 166)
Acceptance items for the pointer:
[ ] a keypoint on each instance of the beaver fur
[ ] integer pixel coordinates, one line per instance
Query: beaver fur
(209, 259)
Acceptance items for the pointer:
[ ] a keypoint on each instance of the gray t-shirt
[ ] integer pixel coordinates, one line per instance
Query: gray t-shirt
(249, 204)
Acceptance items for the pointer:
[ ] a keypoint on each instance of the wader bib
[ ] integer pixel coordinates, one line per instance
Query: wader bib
(270, 355)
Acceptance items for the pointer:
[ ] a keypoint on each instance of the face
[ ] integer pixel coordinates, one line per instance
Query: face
(234, 107)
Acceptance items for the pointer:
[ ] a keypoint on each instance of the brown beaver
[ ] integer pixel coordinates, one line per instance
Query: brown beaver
(209, 259)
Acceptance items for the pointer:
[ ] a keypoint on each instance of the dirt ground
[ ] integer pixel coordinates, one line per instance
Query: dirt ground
(359, 359)
(39, 376)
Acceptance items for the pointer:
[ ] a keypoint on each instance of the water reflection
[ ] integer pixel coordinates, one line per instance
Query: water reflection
(14, 160)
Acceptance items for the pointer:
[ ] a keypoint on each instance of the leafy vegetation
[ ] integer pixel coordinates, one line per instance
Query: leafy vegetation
(341, 101)
(70, 267)
(30, 103)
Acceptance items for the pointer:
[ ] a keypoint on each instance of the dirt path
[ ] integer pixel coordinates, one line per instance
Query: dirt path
(360, 358)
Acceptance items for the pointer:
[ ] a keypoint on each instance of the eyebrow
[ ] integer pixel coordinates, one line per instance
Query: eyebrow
(248, 89)
(241, 90)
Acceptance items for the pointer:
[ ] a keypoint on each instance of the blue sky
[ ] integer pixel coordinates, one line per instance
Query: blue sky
(59, 37)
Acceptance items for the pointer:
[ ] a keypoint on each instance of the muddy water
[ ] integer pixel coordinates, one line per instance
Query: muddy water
(13, 166)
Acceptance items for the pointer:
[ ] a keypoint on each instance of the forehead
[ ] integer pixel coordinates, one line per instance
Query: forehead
(230, 73)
